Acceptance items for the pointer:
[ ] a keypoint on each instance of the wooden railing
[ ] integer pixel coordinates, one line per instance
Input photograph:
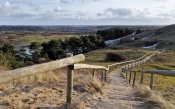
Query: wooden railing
(128, 67)
(152, 72)
(71, 63)
(40, 68)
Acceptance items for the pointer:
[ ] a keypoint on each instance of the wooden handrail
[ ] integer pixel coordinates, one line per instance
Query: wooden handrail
(152, 72)
(40, 68)
(158, 72)
(87, 66)
(132, 60)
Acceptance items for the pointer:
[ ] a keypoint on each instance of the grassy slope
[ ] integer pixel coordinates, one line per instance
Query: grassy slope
(97, 57)
(164, 84)
(39, 38)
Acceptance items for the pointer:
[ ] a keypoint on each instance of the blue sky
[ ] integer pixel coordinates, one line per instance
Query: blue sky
(87, 12)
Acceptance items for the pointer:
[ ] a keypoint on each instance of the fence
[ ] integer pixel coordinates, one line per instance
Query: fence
(71, 63)
(128, 67)
(152, 72)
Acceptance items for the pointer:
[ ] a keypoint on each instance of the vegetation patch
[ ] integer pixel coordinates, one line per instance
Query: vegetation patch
(162, 84)
(152, 99)
(114, 57)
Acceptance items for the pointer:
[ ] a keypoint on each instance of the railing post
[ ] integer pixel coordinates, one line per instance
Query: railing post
(152, 81)
(134, 79)
(142, 77)
(69, 83)
(93, 73)
(106, 72)
(102, 75)
(130, 77)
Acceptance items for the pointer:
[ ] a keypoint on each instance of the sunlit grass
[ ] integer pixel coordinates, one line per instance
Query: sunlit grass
(164, 84)
(27, 39)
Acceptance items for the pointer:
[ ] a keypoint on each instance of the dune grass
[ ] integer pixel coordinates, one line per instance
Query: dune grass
(98, 57)
(163, 84)
(152, 99)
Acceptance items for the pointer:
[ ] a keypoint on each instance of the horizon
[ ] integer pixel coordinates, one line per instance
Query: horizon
(85, 25)
(87, 12)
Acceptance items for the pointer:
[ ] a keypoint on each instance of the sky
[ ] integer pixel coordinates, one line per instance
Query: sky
(87, 12)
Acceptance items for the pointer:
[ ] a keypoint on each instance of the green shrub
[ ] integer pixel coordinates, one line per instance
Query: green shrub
(114, 57)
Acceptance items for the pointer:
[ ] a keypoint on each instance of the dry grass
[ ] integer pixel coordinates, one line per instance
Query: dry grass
(152, 99)
(49, 90)
(162, 84)
(98, 57)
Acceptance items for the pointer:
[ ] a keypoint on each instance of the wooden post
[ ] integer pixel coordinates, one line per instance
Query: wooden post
(106, 72)
(142, 77)
(130, 77)
(134, 79)
(93, 73)
(69, 83)
(102, 75)
(152, 81)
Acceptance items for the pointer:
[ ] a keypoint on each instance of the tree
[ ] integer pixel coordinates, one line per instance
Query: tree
(54, 49)
(8, 48)
(22, 55)
(75, 44)
(87, 44)
(35, 50)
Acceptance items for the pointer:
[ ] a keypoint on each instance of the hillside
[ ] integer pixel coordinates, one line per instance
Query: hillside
(166, 30)
(164, 37)
(43, 90)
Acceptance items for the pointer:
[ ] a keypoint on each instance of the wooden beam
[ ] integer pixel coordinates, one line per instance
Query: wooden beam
(134, 79)
(87, 66)
(142, 77)
(130, 77)
(69, 84)
(40, 68)
(152, 81)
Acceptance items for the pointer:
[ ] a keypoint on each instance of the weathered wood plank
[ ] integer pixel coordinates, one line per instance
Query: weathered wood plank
(130, 76)
(159, 72)
(125, 62)
(69, 84)
(87, 66)
(40, 68)
(142, 77)
(152, 81)
(134, 79)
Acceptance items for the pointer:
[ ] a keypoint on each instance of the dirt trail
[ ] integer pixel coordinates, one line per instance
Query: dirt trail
(119, 95)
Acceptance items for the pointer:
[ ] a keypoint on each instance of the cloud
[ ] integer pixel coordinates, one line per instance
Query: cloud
(57, 8)
(64, 1)
(160, 0)
(8, 8)
(119, 11)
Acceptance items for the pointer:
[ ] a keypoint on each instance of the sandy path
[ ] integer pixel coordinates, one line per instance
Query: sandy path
(119, 95)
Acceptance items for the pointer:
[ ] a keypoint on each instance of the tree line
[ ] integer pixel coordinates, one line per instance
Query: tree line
(57, 48)
(51, 50)
(114, 33)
